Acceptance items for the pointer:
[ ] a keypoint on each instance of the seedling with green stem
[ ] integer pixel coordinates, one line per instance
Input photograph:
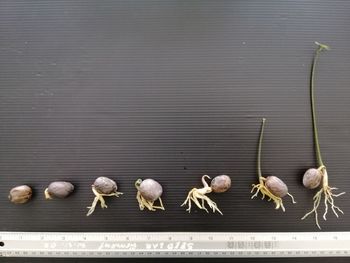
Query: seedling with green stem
(314, 177)
(271, 186)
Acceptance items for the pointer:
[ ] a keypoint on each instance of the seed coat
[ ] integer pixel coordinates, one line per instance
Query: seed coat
(312, 178)
(220, 183)
(20, 194)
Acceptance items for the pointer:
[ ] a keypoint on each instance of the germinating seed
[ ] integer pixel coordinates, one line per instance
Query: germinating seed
(149, 191)
(20, 194)
(58, 190)
(103, 186)
(271, 186)
(220, 183)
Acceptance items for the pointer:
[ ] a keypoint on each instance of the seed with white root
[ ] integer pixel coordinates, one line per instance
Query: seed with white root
(58, 190)
(271, 186)
(220, 183)
(103, 186)
(20, 194)
(316, 177)
(328, 198)
(312, 178)
(149, 191)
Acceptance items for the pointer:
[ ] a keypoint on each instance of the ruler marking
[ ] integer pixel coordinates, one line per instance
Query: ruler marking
(298, 244)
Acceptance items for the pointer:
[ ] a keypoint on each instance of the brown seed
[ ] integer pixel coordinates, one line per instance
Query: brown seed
(276, 186)
(312, 178)
(150, 189)
(104, 185)
(60, 189)
(220, 183)
(20, 194)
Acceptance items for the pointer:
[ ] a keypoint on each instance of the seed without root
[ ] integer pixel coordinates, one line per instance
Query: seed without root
(312, 178)
(104, 185)
(276, 186)
(20, 194)
(150, 189)
(59, 190)
(220, 183)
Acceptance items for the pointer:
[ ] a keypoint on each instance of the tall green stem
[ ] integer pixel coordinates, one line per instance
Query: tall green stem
(320, 48)
(259, 148)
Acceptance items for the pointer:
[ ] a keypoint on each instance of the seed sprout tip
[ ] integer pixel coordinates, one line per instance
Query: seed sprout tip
(322, 46)
(47, 195)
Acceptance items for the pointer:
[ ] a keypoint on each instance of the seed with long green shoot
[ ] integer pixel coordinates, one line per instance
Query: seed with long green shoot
(149, 191)
(219, 184)
(271, 186)
(103, 186)
(313, 177)
(59, 190)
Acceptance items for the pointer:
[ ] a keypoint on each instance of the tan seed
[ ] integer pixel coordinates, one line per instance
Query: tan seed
(20, 194)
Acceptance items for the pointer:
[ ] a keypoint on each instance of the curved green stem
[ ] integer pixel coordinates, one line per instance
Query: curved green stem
(259, 148)
(320, 48)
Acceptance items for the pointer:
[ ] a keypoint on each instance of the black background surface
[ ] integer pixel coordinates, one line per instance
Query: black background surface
(169, 90)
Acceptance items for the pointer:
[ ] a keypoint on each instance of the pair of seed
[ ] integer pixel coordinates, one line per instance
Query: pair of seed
(275, 188)
(23, 193)
(148, 191)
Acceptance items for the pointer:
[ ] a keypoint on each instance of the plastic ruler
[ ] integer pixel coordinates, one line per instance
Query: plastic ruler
(175, 244)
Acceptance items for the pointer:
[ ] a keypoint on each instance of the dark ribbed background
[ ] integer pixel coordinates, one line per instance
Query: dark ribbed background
(169, 90)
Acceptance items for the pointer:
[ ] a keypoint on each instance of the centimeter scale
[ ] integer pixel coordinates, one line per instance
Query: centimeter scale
(174, 244)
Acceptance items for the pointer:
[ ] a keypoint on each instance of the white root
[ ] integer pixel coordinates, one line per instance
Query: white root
(260, 187)
(326, 190)
(148, 204)
(47, 195)
(200, 194)
(99, 197)
(292, 197)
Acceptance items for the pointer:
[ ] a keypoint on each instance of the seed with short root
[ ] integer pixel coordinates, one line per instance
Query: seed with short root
(59, 190)
(150, 189)
(276, 186)
(220, 183)
(312, 178)
(20, 194)
(104, 185)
